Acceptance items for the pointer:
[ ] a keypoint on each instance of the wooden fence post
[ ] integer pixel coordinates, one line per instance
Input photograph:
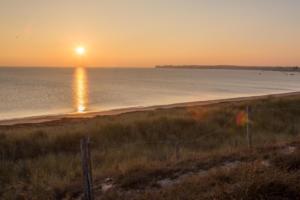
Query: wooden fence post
(87, 168)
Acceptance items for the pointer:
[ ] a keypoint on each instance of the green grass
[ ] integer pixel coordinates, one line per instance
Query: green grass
(42, 161)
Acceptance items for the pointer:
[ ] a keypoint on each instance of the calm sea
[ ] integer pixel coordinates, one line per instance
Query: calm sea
(28, 92)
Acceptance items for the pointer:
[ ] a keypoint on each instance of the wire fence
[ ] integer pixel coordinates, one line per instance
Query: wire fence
(244, 122)
(248, 121)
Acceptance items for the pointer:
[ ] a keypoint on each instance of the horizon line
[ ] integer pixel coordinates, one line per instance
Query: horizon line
(155, 66)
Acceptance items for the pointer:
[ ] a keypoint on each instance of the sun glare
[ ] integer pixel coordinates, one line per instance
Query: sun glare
(80, 90)
(80, 50)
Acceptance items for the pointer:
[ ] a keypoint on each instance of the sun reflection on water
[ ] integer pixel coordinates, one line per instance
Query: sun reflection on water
(80, 90)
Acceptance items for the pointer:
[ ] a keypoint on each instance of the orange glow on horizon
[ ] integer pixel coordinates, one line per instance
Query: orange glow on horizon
(112, 33)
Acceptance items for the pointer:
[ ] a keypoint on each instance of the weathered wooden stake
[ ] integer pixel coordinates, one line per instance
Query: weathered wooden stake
(87, 168)
(249, 138)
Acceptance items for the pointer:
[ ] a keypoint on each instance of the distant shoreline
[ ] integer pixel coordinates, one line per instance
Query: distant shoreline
(233, 67)
(60, 117)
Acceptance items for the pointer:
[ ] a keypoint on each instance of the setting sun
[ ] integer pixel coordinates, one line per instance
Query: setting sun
(80, 50)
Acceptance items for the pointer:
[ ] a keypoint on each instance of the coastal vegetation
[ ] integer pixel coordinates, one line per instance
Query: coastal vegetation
(137, 149)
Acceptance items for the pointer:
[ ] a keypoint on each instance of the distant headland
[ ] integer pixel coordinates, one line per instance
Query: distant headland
(234, 67)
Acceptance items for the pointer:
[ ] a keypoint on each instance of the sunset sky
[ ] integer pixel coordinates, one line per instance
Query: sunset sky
(149, 32)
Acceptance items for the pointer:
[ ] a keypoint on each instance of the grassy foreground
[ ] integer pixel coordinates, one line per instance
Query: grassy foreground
(41, 161)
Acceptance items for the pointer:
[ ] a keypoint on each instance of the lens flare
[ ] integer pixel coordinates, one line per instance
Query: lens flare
(242, 118)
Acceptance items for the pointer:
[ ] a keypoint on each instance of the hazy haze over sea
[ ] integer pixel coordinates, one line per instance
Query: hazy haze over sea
(28, 92)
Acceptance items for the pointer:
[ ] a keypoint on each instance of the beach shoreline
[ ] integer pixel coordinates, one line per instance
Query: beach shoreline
(60, 117)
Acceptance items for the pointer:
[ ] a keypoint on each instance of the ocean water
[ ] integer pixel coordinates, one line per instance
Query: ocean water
(26, 92)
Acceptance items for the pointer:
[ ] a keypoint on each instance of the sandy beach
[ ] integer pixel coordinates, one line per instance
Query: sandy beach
(49, 118)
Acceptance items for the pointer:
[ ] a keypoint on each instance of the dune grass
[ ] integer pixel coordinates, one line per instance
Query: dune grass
(248, 182)
(41, 161)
